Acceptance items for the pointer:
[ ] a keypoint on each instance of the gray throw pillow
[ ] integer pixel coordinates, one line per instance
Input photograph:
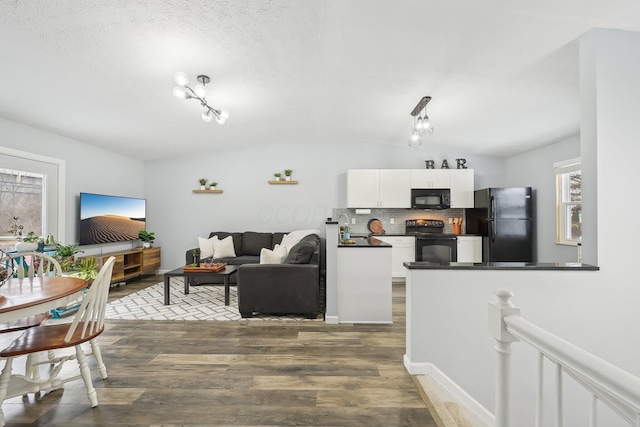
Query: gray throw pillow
(301, 253)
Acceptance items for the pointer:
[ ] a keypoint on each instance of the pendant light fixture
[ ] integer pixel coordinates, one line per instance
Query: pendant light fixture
(184, 91)
(421, 123)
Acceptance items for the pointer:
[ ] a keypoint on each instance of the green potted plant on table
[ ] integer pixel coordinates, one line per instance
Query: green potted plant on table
(212, 186)
(65, 255)
(287, 174)
(203, 183)
(277, 176)
(147, 238)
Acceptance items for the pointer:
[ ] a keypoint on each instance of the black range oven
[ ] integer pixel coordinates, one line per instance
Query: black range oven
(432, 245)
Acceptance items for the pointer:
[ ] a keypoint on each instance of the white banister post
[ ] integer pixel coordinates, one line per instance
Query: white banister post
(498, 310)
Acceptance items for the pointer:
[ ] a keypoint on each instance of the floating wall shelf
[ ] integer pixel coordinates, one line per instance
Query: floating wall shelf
(208, 191)
(282, 182)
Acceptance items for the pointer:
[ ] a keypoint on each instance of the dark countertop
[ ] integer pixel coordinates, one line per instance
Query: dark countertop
(567, 266)
(363, 242)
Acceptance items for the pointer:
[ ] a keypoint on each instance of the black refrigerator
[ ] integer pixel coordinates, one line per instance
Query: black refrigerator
(503, 217)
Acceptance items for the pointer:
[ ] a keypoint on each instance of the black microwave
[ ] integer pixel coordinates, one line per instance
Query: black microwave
(430, 198)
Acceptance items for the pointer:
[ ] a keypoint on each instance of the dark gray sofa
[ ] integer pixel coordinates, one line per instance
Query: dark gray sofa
(290, 288)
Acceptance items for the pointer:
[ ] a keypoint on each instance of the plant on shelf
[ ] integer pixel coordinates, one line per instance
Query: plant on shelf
(213, 185)
(277, 175)
(65, 255)
(203, 183)
(287, 173)
(146, 237)
(31, 237)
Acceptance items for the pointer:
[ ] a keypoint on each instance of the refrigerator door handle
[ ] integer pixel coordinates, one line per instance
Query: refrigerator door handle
(492, 226)
(493, 208)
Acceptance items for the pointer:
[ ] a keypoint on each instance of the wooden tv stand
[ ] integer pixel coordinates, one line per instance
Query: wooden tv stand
(132, 263)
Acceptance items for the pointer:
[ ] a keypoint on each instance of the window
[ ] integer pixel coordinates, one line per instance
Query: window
(569, 201)
(20, 192)
(31, 188)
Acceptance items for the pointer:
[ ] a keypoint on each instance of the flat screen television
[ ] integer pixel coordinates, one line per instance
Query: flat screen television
(110, 219)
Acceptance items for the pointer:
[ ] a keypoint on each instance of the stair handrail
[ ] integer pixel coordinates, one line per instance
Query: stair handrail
(615, 387)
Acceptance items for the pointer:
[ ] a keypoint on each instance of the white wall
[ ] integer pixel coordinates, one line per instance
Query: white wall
(535, 169)
(179, 217)
(88, 169)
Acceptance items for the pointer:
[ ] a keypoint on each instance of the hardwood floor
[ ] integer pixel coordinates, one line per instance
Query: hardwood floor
(239, 374)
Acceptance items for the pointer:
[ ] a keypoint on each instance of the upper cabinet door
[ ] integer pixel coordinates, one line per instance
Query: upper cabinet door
(462, 184)
(363, 187)
(395, 188)
(430, 178)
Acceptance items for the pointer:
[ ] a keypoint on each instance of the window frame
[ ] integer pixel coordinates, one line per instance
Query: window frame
(52, 223)
(562, 170)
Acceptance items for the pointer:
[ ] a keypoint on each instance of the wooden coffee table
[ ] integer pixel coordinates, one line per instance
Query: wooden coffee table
(190, 274)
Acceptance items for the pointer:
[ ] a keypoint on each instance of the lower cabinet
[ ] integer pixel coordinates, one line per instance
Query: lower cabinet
(132, 263)
(469, 249)
(403, 250)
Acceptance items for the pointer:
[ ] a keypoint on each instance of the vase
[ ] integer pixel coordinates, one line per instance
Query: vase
(287, 178)
(26, 246)
(146, 245)
(203, 187)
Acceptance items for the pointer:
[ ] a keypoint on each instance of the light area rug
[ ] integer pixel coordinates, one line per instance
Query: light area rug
(205, 302)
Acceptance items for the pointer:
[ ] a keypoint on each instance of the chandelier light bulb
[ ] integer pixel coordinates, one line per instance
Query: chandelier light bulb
(180, 92)
(220, 120)
(200, 90)
(207, 116)
(427, 125)
(181, 78)
(224, 114)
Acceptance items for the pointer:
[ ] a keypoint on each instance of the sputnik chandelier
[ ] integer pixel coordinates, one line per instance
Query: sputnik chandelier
(421, 123)
(183, 90)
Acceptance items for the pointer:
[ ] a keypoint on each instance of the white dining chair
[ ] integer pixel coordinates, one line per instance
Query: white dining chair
(86, 326)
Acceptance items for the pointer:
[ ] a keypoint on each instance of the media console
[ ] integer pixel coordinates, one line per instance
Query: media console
(132, 263)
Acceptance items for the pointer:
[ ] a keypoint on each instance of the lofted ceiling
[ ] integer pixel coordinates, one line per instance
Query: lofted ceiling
(503, 75)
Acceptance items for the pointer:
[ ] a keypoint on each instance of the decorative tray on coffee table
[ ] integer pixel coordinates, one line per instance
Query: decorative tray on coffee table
(203, 267)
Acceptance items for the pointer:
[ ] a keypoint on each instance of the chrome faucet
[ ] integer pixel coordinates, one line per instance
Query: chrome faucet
(343, 233)
(346, 216)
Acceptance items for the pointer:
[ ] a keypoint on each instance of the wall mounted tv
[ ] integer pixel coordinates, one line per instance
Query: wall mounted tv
(109, 219)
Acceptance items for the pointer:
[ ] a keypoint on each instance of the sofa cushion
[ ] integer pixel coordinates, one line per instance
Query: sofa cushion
(237, 239)
(206, 247)
(252, 242)
(302, 251)
(223, 248)
(242, 259)
(276, 239)
(276, 256)
(290, 239)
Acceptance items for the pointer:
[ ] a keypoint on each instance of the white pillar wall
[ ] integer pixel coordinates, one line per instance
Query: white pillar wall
(610, 144)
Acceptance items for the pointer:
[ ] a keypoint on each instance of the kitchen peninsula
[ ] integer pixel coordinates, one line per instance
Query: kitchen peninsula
(358, 280)
(446, 308)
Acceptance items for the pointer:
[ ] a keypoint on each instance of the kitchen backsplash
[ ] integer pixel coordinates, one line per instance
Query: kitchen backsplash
(399, 216)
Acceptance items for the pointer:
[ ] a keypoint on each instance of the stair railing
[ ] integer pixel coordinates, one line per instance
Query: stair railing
(614, 387)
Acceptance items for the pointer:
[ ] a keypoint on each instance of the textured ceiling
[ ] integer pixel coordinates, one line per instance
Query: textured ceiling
(503, 74)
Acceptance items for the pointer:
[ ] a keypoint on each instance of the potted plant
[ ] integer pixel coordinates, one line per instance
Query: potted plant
(277, 175)
(196, 257)
(86, 269)
(65, 255)
(213, 185)
(203, 183)
(29, 242)
(147, 238)
(287, 173)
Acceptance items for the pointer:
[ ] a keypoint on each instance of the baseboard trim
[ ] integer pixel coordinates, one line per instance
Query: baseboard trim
(331, 320)
(453, 391)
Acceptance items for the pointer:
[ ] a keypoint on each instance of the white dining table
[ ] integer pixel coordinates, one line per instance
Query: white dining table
(20, 298)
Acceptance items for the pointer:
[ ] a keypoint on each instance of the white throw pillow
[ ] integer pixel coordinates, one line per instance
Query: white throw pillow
(289, 240)
(276, 256)
(223, 248)
(206, 247)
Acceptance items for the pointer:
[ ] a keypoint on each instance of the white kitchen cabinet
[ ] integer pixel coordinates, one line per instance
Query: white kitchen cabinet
(378, 188)
(403, 250)
(462, 187)
(469, 249)
(430, 178)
